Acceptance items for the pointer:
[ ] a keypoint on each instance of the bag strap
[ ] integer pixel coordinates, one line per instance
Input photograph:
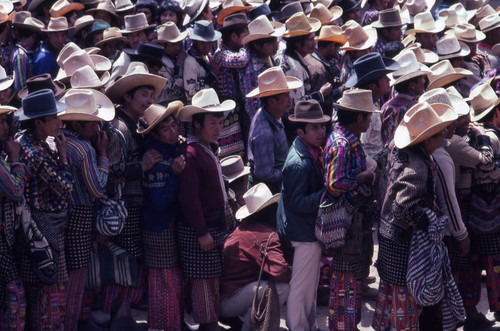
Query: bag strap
(264, 251)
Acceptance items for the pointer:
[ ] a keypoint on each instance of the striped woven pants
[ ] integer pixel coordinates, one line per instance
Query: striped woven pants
(114, 295)
(205, 296)
(78, 299)
(165, 304)
(46, 307)
(14, 317)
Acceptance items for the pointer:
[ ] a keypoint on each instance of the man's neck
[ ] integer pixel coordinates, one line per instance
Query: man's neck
(275, 113)
(352, 128)
(233, 47)
(323, 52)
(129, 114)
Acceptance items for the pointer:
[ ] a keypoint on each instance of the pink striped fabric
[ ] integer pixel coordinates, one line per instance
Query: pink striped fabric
(14, 318)
(114, 295)
(165, 299)
(205, 295)
(75, 290)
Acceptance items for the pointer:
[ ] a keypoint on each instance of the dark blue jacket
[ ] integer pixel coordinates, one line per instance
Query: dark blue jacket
(301, 190)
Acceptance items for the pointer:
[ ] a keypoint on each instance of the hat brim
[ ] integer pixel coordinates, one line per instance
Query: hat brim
(423, 70)
(390, 66)
(493, 27)
(233, 177)
(187, 112)
(28, 27)
(243, 212)
(179, 38)
(73, 6)
(60, 89)
(464, 51)
(476, 118)
(4, 109)
(80, 26)
(60, 108)
(217, 36)
(105, 110)
(440, 26)
(94, 10)
(370, 42)
(6, 83)
(449, 78)
(149, 57)
(101, 63)
(322, 119)
(380, 25)
(9, 18)
(479, 36)
(315, 26)
(459, 105)
(402, 138)
(173, 108)
(276, 33)
(361, 110)
(190, 19)
(103, 81)
(124, 9)
(147, 27)
(293, 83)
(336, 39)
(228, 11)
(109, 40)
(47, 30)
(116, 90)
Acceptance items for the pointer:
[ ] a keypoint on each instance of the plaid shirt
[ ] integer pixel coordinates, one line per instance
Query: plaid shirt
(267, 147)
(343, 160)
(49, 185)
(393, 112)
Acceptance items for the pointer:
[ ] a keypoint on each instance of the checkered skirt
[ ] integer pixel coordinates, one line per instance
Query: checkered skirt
(160, 248)
(130, 239)
(195, 262)
(79, 236)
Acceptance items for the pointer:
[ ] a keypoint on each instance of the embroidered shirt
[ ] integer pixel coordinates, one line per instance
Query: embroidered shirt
(174, 89)
(393, 112)
(11, 180)
(197, 76)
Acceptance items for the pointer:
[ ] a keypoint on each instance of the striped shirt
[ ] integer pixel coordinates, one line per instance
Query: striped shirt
(22, 66)
(90, 172)
(393, 112)
(344, 158)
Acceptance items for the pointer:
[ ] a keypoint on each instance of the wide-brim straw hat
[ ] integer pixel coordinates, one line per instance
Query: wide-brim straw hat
(495, 50)
(230, 7)
(358, 38)
(424, 56)
(450, 18)
(467, 33)
(449, 47)
(62, 7)
(78, 60)
(86, 77)
(483, 100)
(155, 114)
(106, 6)
(357, 100)
(233, 167)
(369, 67)
(82, 22)
(23, 20)
(413, 7)
(308, 111)
(123, 6)
(481, 13)
(389, 17)
(137, 75)
(87, 105)
(193, 9)
(273, 81)
(332, 33)
(40, 82)
(38, 104)
(425, 23)
(256, 198)
(489, 23)
(57, 24)
(205, 101)
(262, 28)
(300, 25)
(111, 34)
(5, 81)
(409, 68)
(7, 109)
(135, 23)
(440, 95)
(204, 31)
(169, 33)
(6, 11)
(421, 122)
(326, 16)
(443, 73)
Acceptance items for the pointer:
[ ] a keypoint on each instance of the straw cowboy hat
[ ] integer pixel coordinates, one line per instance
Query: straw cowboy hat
(440, 95)
(169, 33)
(204, 31)
(308, 111)
(358, 38)
(38, 104)
(451, 18)
(23, 20)
(389, 18)
(262, 28)
(68, 50)
(414, 7)
(85, 77)
(137, 75)
(467, 33)
(106, 6)
(123, 6)
(233, 168)
(300, 25)
(193, 9)
(111, 34)
(482, 12)
(87, 105)
(289, 10)
(230, 7)
(57, 24)
(449, 47)
(7, 109)
(136, 22)
(483, 100)
(462, 12)
(256, 198)
(369, 67)
(409, 68)
(40, 82)
(82, 22)
(6, 11)
(5, 81)
(443, 73)
(421, 122)
(423, 55)
(425, 23)
(273, 81)
(489, 23)
(62, 7)
(332, 33)
(155, 114)
(21, 2)
(234, 21)
(205, 101)
(79, 59)
(324, 15)
(357, 100)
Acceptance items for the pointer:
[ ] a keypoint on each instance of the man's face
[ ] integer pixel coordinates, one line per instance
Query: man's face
(168, 16)
(4, 97)
(57, 39)
(283, 102)
(450, 130)
(359, 53)
(268, 49)
(173, 49)
(420, 85)
(4, 128)
(51, 126)
(86, 129)
(203, 47)
(393, 33)
(458, 62)
(463, 125)
(147, 12)
(140, 101)
(111, 47)
(103, 16)
(211, 129)
(382, 88)
(314, 134)
(206, 14)
(135, 38)
(308, 46)
(167, 131)
(354, 14)
(238, 40)
(427, 40)
(434, 142)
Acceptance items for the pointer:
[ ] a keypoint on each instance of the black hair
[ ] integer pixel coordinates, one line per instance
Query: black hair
(200, 117)
(373, 81)
(3, 26)
(29, 125)
(152, 5)
(172, 6)
(300, 125)
(263, 41)
(70, 124)
(346, 117)
(292, 42)
(489, 117)
(226, 33)
(404, 86)
(131, 92)
(266, 99)
(155, 128)
(24, 33)
(265, 216)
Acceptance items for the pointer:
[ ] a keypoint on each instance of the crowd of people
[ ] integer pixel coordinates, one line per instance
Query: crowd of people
(167, 154)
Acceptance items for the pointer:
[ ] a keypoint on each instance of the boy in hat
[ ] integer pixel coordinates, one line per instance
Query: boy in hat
(301, 190)
(12, 294)
(347, 178)
(48, 193)
(202, 202)
(112, 43)
(267, 143)
(45, 58)
(160, 186)
(90, 167)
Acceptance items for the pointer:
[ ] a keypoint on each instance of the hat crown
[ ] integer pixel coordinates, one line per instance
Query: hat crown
(321, 13)
(57, 23)
(112, 32)
(441, 68)
(232, 3)
(84, 20)
(168, 31)
(68, 50)
(192, 6)
(136, 68)
(261, 25)
(40, 82)
(415, 6)
(3, 74)
(99, 26)
(85, 76)
(81, 101)
(369, 63)
(484, 11)
(419, 118)
(448, 45)
(153, 112)
(465, 31)
(235, 19)
(204, 29)
(424, 21)
(232, 165)
(390, 16)
(308, 110)
(21, 16)
(459, 9)
(333, 32)
(256, 196)
(60, 4)
(489, 22)
(150, 49)
(291, 9)
(408, 63)
(107, 5)
(77, 60)
(6, 8)
(482, 98)
(260, 10)
(272, 78)
(437, 95)
(136, 22)
(206, 99)
(298, 22)
(358, 99)
(355, 34)
(39, 103)
(121, 4)
(451, 18)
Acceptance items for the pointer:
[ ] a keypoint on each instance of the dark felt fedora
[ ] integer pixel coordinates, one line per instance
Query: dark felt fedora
(369, 67)
(348, 5)
(258, 11)
(147, 51)
(204, 31)
(308, 111)
(38, 104)
(40, 82)
(289, 10)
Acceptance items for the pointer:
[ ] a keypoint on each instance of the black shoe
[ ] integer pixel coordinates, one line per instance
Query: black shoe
(477, 322)
(323, 297)
(370, 293)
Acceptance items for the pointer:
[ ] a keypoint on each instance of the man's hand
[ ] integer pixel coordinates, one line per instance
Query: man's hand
(178, 164)
(465, 245)
(150, 158)
(101, 143)
(13, 149)
(476, 130)
(326, 89)
(206, 242)
(61, 143)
